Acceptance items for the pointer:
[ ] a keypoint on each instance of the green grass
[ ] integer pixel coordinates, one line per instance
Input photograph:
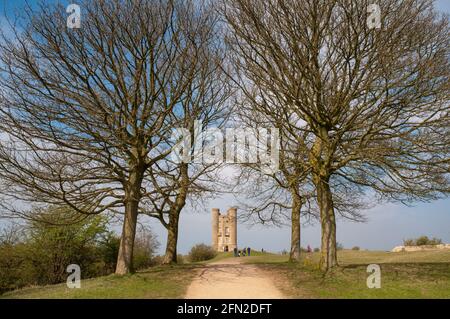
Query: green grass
(403, 275)
(351, 257)
(266, 258)
(220, 256)
(157, 282)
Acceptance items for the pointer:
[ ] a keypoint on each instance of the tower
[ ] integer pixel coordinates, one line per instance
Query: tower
(215, 213)
(224, 229)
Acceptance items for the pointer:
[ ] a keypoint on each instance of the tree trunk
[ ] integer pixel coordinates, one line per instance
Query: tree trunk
(328, 258)
(132, 198)
(125, 257)
(170, 256)
(294, 255)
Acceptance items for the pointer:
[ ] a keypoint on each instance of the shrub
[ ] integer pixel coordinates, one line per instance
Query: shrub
(339, 246)
(316, 250)
(53, 245)
(421, 241)
(157, 260)
(145, 246)
(201, 252)
(435, 241)
(409, 242)
(355, 248)
(16, 271)
(108, 250)
(39, 252)
(180, 259)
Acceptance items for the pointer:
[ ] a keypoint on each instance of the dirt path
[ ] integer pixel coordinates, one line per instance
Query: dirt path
(231, 278)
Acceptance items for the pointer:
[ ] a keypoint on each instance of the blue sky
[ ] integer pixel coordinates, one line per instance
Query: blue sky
(387, 225)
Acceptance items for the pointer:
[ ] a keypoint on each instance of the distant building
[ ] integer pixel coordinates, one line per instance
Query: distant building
(224, 230)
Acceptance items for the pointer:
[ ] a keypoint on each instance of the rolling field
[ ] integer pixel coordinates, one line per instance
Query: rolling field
(403, 275)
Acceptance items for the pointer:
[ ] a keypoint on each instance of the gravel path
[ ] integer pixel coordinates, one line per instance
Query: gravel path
(231, 278)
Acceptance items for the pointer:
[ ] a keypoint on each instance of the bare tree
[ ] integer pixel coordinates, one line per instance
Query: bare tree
(11, 234)
(87, 112)
(272, 197)
(375, 100)
(191, 176)
(287, 196)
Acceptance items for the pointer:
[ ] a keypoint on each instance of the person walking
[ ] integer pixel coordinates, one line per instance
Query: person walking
(248, 251)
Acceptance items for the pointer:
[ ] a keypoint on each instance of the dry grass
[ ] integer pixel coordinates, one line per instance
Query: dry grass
(403, 275)
(157, 282)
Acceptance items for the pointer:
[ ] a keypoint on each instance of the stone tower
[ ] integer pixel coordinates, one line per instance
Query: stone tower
(224, 230)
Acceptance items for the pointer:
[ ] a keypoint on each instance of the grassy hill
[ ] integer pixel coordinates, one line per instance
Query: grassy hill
(422, 274)
(403, 275)
(352, 257)
(157, 282)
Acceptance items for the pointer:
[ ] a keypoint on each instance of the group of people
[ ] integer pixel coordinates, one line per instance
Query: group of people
(243, 252)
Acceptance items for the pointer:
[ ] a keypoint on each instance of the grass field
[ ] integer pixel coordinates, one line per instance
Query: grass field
(157, 282)
(403, 275)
